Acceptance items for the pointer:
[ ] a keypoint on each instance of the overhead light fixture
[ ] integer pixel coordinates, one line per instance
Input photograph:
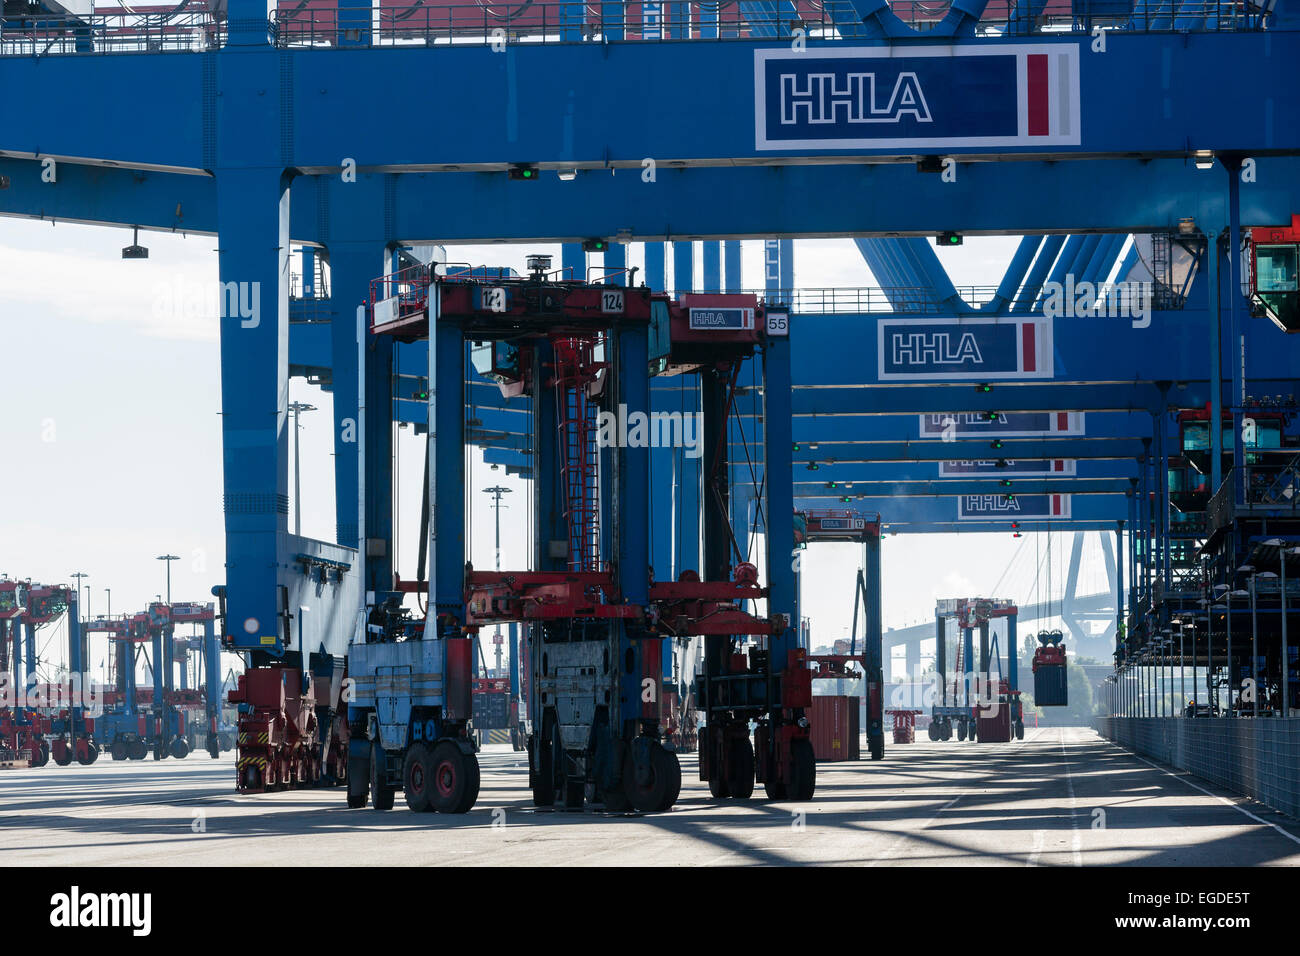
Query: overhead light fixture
(1187, 227)
(568, 175)
(135, 250)
(1204, 158)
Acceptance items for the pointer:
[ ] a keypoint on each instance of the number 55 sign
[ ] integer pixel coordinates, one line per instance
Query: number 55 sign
(778, 322)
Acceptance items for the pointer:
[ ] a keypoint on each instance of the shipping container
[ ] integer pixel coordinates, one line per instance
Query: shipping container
(835, 726)
(995, 728)
(1049, 686)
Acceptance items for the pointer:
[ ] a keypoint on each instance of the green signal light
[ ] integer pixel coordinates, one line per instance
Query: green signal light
(997, 443)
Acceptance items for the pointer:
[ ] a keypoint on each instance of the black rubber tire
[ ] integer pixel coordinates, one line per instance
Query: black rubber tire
(137, 750)
(452, 779)
(92, 754)
(877, 747)
(774, 789)
(179, 748)
(1020, 730)
(63, 760)
(648, 796)
(674, 769)
(740, 782)
(933, 730)
(416, 778)
(718, 787)
(41, 756)
(118, 750)
(358, 782)
(475, 781)
(961, 730)
(804, 782)
(971, 736)
(544, 787)
(381, 794)
(947, 731)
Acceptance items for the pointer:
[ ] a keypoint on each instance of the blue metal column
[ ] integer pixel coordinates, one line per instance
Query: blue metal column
(1133, 528)
(688, 475)
(352, 267)
(377, 433)
(253, 219)
(1119, 580)
(1236, 348)
(778, 443)
(1162, 484)
(212, 679)
(130, 703)
(633, 493)
(447, 473)
(1213, 293)
(711, 263)
(874, 650)
(159, 712)
(1144, 517)
(731, 257)
(683, 267)
(76, 667)
(16, 643)
(171, 715)
(29, 644)
(655, 275)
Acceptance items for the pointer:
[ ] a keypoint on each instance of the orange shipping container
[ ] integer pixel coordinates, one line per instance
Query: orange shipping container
(834, 728)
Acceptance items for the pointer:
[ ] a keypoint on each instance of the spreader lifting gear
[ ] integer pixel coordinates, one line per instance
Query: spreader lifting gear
(596, 620)
(1050, 685)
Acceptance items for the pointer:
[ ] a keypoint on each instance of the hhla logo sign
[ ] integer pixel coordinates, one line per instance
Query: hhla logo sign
(621, 429)
(1125, 300)
(76, 909)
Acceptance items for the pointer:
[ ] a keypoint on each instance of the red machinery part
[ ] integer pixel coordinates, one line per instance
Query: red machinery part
(278, 743)
(904, 725)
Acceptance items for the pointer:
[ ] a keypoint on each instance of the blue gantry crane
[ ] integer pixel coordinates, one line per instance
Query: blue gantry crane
(855, 122)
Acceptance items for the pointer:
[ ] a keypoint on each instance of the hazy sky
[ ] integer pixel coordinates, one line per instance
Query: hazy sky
(112, 441)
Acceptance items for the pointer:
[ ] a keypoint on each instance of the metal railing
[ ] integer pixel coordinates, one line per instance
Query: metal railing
(488, 22)
(44, 35)
(920, 300)
(556, 21)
